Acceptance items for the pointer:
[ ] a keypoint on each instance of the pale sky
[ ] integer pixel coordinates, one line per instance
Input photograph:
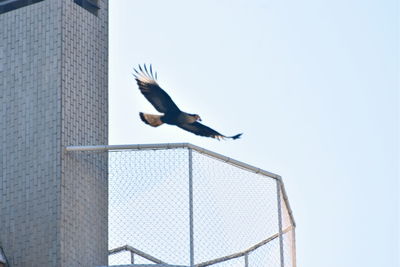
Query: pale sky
(314, 87)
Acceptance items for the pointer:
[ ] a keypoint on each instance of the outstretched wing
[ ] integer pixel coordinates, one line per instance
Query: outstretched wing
(153, 92)
(200, 129)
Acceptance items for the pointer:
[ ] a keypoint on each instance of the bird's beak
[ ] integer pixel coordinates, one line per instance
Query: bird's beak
(199, 119)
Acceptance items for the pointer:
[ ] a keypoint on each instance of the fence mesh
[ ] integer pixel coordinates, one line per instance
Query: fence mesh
(149, 203)
(182, 207)
(234, 209)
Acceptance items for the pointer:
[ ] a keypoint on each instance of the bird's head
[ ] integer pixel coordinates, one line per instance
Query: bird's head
(191, 118)
(197, 117)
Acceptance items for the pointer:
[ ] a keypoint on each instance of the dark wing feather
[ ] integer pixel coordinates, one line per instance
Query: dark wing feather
(200, 129)
(161, 101)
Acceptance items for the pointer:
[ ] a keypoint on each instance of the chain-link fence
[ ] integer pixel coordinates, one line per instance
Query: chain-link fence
(178, 204)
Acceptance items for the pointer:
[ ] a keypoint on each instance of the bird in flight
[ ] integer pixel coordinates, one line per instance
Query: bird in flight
(162, 102)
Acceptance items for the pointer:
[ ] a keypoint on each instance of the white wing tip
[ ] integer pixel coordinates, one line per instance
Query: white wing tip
(145, 75)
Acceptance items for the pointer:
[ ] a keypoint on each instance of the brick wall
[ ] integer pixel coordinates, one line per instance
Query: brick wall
(53, 84)
(84, 122)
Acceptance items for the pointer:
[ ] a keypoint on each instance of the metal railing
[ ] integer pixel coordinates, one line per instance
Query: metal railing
(134, 251)
(193, 207)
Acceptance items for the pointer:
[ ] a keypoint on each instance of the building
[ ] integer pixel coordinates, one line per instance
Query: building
(53, 84)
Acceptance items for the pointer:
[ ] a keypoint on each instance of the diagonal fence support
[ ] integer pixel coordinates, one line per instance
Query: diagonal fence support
(136, 251)
(245, 253)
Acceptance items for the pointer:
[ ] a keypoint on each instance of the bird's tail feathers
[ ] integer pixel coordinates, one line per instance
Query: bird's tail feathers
(235, 136)
(150, 119)
(222, 137)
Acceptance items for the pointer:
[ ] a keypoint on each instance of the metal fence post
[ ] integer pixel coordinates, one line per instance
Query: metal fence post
(278, 188)
(191, 234)
(246, 260)
(132, 258)
(294, 247)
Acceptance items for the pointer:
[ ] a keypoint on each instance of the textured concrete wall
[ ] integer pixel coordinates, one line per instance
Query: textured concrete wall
(84, 122)
(53, 92)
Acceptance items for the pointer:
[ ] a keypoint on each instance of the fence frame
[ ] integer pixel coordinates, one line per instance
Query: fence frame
(281, 194)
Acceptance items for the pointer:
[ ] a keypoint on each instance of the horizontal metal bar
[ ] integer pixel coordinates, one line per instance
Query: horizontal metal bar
(234, 162)
(136, 251)
(127, 147)
(244, 252)
(173, 146)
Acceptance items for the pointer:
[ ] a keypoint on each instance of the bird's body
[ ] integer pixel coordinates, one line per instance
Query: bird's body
(179, 118)
(171, 113)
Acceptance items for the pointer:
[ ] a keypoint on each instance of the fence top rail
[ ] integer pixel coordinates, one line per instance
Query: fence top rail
(161, 146)
(173, 146)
